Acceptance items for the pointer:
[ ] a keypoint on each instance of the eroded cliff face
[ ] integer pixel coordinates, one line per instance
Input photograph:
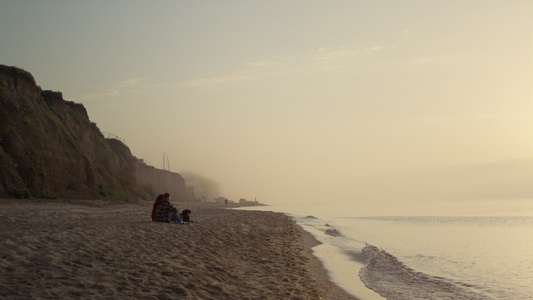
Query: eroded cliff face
(49, 146)
(162, 181)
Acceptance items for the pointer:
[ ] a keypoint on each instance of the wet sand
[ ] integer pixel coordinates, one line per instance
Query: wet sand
(97, 249)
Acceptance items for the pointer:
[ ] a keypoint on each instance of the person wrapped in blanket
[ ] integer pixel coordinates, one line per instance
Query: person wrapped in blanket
(164, 211)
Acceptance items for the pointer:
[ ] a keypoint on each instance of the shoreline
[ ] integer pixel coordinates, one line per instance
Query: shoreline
(98, 248)
(318, 269)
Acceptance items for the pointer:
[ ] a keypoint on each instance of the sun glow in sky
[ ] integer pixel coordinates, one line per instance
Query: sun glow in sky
(291, 101)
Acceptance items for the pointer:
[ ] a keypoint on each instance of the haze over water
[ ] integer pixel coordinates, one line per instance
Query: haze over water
(299, 101)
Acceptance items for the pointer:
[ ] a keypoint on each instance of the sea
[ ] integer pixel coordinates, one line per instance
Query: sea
(478, 249)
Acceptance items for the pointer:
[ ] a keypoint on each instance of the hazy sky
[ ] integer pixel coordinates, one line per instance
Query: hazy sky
(299, 100)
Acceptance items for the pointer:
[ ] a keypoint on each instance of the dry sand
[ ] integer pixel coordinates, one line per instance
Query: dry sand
(96, 249)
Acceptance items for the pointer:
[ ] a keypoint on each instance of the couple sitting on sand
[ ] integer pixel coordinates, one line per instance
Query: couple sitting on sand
(164, 211)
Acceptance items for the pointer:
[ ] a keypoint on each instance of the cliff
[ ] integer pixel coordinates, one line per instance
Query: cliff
(49, 147)
(157, 181)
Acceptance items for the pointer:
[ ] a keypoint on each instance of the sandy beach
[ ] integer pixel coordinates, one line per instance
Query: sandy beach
(95, 249)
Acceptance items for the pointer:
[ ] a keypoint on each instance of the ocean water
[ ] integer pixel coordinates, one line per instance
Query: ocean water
(424, 250)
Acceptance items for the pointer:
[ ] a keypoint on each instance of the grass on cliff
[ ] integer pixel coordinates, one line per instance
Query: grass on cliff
(107, 193)
(26, 194)
(18, 72)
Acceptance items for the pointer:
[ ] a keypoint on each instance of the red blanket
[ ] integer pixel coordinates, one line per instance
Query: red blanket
(156, 204)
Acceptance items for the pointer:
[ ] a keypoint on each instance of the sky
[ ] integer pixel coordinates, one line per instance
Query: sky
(299, 101)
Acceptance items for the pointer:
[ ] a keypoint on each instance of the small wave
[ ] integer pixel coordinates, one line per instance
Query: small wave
(333, 232)
(310, 217)
(356, 256)
(389, 277)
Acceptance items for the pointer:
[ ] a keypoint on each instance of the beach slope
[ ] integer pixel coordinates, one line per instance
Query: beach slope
(95, 249)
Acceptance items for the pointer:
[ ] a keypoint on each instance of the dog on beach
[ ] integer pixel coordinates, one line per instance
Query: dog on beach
(185, 215)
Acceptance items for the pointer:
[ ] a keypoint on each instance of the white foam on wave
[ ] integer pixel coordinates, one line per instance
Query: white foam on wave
(392, 279)
(341, 257)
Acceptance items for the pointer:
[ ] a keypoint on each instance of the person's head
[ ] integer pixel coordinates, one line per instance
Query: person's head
(166, 196)
(159, 197)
